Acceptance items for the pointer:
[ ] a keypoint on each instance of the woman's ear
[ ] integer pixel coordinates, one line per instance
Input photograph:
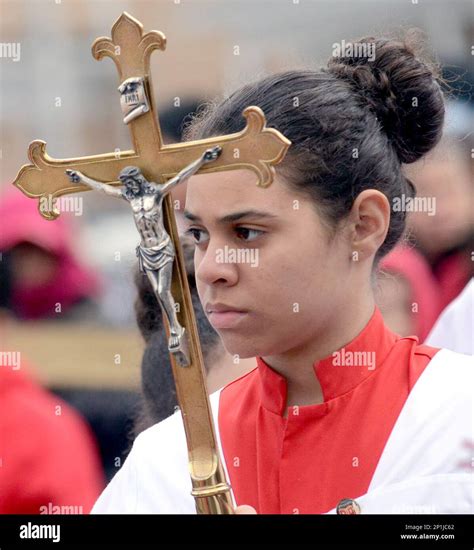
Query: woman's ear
(369, 220)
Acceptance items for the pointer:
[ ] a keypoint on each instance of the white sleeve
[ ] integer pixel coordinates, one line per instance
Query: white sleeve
(454, 328)
(425, 467)
(120, 495)
(155, 478)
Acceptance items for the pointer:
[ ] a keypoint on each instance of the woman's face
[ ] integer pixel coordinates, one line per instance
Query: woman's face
(446, 181)
(264, 252)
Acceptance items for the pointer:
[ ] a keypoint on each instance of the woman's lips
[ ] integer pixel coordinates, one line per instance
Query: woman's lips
(226, 319)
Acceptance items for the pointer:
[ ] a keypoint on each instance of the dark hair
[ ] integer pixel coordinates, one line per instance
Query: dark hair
(352, 124)
(5, 281)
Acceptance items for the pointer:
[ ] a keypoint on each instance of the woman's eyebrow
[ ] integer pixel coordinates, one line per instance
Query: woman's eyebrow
(234, 216)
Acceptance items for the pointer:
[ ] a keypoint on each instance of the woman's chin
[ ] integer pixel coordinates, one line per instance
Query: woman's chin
(243, 348)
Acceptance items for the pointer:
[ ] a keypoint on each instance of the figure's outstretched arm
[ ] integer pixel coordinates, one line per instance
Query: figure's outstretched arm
(188, 171)
(78, 177)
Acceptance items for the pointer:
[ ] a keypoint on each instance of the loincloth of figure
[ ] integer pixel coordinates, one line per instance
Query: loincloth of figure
(153, 258)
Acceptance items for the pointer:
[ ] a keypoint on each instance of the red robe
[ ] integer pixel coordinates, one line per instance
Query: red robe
(393, 434)
(48, 457)
(318, 455)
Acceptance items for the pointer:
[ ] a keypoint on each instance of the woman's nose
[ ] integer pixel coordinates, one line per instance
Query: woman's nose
(210, 269)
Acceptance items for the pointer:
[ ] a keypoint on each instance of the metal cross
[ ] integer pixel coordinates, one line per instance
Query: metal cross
(255, 148)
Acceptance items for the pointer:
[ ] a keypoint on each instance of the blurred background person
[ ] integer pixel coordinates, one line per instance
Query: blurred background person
(407, 292)
(47, 277)
(446, 238)
(48, 455)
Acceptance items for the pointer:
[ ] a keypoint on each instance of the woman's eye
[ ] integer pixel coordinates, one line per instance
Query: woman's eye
(196, 234)
(247, 234)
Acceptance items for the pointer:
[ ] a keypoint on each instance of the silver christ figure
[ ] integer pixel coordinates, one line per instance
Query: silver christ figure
(156, 250)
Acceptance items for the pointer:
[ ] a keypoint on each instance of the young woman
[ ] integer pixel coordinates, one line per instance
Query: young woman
(340, 414)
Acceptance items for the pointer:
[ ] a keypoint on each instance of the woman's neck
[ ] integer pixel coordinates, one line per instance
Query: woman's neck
(222, 368)
(296, 365)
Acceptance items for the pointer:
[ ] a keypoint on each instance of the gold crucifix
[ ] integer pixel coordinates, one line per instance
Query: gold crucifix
(255, 148)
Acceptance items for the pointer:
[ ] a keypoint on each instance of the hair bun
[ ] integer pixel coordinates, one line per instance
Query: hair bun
(400, 88)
